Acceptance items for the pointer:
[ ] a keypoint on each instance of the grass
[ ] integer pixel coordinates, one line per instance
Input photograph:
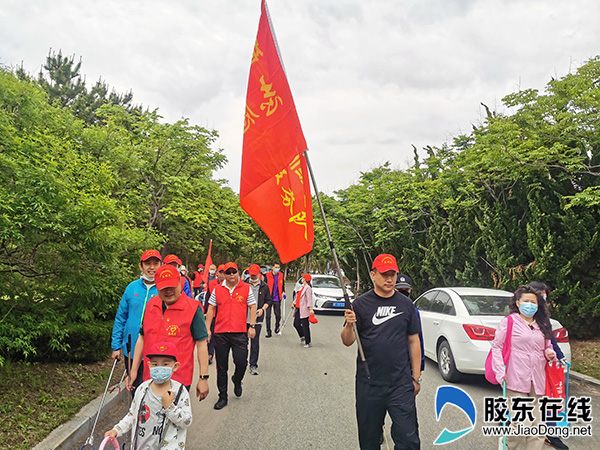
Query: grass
(39, 397)
(586, 357)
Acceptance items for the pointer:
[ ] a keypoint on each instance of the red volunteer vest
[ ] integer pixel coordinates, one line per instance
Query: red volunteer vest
(271, 282)
(233, 308)
(211, 285)
(197, 279)
(173, 326)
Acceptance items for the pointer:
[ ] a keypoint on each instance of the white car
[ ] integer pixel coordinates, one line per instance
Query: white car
(459, 324)
(327, 293)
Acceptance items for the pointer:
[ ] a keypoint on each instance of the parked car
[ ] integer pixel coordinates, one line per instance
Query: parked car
(327, 293)
(459, 324)
(265, 268)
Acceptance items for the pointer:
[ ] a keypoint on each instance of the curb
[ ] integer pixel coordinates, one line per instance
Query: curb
(585, 378)
(67, 435)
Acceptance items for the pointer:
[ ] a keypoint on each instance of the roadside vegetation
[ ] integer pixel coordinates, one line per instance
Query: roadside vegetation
(43, 396)
(515, 200)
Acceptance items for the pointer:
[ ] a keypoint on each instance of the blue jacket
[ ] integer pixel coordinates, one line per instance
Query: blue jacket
(557, 350)
(187, 290)
(129, 315)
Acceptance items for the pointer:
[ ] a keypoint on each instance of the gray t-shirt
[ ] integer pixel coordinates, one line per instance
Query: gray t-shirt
(254, 290)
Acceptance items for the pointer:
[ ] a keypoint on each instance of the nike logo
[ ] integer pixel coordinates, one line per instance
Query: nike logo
(385, 313)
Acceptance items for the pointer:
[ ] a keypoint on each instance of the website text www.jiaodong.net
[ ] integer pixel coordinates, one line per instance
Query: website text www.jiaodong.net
(538, 430)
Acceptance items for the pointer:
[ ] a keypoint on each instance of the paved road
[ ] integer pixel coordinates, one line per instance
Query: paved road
(304, 398)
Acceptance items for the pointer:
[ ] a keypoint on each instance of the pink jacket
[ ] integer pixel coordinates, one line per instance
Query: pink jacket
(527, 356)
(306, 301)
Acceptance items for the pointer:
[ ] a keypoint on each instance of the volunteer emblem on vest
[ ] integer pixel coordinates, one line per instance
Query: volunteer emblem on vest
(385, 313)
(173, 330)
(239, 297)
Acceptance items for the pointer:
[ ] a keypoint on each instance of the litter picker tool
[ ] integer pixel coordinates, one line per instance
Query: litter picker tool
(120, 385)
(286, 320)
(90, 440)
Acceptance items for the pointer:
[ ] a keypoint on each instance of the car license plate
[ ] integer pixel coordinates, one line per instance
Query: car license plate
(338, 304)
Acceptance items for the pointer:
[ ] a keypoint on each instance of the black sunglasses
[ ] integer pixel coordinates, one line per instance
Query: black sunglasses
(230, 272)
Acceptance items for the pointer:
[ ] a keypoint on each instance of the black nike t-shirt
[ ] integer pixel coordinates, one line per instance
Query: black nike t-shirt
(383, 326)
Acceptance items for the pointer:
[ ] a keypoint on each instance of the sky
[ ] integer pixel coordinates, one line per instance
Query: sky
(370, 79)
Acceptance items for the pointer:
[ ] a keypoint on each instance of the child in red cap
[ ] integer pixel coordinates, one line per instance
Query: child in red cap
(161, 412)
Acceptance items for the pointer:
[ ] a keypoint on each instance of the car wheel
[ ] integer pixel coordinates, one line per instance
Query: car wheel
(446, 363)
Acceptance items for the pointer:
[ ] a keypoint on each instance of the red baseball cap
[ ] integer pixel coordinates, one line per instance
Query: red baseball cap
(172, 258)
(221, 268)
(166, 276)
(167, 349)
(254, 269)
(200, 266)
(230, 265)
(385, 262)
(150, 254)
(306, 276)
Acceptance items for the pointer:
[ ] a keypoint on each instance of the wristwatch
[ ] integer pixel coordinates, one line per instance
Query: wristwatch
(204, 377)
(252, 326)
(418, 381)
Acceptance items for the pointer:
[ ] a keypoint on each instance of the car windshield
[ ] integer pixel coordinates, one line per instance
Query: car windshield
(486, 305)
(329, 282)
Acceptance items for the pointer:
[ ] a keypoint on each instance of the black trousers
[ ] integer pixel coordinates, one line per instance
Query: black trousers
(211, 343)
(238, 344)
(275, 306)
(255, 345)
(302, 326)
(372, 403)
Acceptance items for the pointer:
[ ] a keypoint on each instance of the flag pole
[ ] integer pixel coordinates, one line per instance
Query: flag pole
(336, 262)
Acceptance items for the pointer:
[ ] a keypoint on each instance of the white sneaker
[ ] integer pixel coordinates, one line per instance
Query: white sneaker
(307, 346)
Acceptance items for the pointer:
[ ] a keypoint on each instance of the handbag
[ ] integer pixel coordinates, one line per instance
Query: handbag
(489, 371)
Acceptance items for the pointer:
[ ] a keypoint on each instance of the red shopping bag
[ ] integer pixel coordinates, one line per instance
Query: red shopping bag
(555, 380)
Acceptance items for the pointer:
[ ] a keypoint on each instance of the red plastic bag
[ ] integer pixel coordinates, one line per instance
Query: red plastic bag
(555, 380)
(313, 319)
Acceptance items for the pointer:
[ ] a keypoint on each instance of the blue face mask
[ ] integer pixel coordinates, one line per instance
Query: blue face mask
(161, 374)
(212, 272)
(275, 270)
(528, 309)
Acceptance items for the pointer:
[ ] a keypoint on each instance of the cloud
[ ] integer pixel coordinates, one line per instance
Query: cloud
(369, 79)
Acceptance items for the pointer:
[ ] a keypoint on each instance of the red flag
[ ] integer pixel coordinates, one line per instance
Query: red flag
(207, 265)
(275, 187)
